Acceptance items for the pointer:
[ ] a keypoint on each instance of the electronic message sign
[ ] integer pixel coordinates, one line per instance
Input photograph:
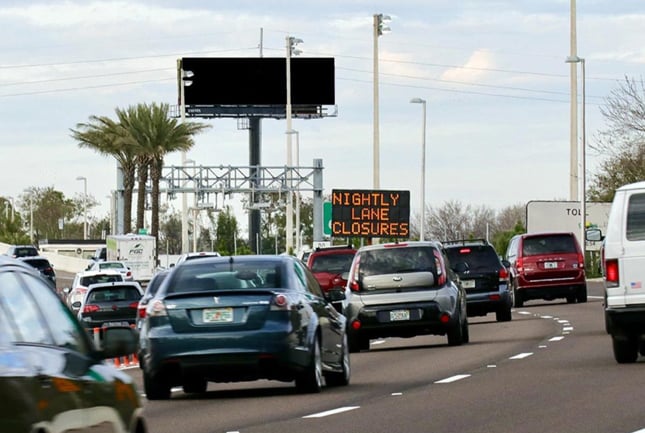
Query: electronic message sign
(370, 213)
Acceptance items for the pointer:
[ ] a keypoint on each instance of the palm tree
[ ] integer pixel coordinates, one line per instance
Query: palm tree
(157, 134)
(110, 138)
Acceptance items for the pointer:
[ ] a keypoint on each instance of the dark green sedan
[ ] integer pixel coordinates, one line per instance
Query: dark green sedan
(242, 318)
(52, 377)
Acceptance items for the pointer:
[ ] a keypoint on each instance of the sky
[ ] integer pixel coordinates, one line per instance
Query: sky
(492, 72)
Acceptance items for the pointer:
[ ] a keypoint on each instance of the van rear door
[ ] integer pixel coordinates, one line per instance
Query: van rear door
(631, 262)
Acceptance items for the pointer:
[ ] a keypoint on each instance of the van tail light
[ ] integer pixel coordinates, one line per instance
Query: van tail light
(611, 273)
(354, 286)
(520, 264)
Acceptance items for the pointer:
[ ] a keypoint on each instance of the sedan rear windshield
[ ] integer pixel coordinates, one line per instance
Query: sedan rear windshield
(38, 263)
(226, 276)
(537, 245)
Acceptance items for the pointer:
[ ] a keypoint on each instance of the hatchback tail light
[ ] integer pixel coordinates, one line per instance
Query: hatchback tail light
(141, 311)
(88, 309)
(134, 304)
(280, 302)
(611, 273)
(581, 261)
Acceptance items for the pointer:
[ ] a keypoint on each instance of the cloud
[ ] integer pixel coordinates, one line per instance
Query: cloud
(473, 69)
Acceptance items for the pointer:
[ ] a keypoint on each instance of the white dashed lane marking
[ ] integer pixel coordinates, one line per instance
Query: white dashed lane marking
(453, 378)
(331, 412)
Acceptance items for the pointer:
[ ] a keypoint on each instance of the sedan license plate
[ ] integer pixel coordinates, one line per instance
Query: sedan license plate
(217, 315)
(110, 324)
(468, 284)
(396, 315)
(550, 265)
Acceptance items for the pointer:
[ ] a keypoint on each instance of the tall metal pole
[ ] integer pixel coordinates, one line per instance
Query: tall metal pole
(376, 138)
(291, 43)
(84, 179)
(583, 175)
(423, 167)
(184, 198)
(573, 132)
(298, 237)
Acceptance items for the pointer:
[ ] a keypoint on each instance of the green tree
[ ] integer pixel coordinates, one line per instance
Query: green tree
(110, 138)
(48, 207)
(226, 232)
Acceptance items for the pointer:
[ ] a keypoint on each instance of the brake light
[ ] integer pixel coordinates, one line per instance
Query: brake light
(128, 274)
(88, 309)
(519, 263)
(581, 261)
(444, 318)
(156, 309)
(141, 312)
(134, 304)
(503, 274)
(464, 251)
(354, 286)
(356, 325)
(280, 301)
(611, 273)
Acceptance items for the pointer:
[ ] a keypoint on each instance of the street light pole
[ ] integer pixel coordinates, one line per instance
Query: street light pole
(291, 51)
(84, 179)
(298, 237)
(583, 151)
(378, 28)
(423, 167)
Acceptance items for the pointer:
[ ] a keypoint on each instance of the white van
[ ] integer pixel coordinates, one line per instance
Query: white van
(624, 272)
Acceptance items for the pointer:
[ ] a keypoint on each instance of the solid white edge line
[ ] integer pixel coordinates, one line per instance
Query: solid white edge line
(453, 378)
(331, 412)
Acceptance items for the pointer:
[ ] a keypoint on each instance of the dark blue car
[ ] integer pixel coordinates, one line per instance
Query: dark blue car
(242, 318)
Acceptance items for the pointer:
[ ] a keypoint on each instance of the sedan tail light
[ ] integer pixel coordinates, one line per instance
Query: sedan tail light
(280, 302)
(156, 309)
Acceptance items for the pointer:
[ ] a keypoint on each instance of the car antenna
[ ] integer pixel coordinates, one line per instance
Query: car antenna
(230, 262)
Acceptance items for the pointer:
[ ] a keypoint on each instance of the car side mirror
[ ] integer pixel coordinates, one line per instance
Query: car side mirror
(594, 235)
(76, 305)
(66, 290)
(335, 295)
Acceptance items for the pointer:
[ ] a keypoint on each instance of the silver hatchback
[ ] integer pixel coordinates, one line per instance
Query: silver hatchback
(402, 290)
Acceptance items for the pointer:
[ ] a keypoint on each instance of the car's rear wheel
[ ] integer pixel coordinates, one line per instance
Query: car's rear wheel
(518, 297)
(503, 314)
(456, 333)
(341, 378)
(571, 299)
(625, 349)
(311, 379)
(195, 385)
(156, 387)
(582, 294)
(358, 343)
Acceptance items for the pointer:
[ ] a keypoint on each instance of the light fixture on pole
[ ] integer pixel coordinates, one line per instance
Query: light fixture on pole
(583, 150)
(423, 167)
(379, 27)
(194, 208)
(291, 51)
(84, 179)
(298, 237)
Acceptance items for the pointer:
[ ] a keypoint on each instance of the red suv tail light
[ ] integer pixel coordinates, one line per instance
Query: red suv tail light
(503, 274)
(519, 264)
(611, 273)
(91, 308)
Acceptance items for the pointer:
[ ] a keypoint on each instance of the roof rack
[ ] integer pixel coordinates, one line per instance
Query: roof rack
(466, 242)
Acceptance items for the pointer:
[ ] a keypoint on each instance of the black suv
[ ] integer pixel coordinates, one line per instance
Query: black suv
(483, 275)
(42, 264)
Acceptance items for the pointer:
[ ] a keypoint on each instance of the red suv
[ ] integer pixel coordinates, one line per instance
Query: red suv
(547, 266)
(328, 264)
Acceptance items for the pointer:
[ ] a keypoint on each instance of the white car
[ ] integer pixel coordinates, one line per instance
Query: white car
(197, 255)
(114, 265)
(82, 281)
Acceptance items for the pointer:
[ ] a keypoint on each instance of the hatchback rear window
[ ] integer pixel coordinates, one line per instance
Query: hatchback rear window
(396, 260)
(114, 294)
(95, 279)
(536, 245)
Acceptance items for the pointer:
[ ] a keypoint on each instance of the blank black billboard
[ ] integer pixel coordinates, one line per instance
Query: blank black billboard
(259, 81)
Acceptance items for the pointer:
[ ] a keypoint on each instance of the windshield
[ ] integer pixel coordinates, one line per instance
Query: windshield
(397, 260)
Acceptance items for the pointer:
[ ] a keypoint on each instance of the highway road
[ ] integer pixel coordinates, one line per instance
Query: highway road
(551, 369)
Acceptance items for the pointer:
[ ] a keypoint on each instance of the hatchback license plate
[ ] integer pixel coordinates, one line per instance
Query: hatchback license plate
(111, 324)
(550, 265)
(217, 315)
(396, 315)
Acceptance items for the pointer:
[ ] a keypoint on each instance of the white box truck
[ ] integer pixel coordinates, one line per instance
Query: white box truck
(136, 251)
